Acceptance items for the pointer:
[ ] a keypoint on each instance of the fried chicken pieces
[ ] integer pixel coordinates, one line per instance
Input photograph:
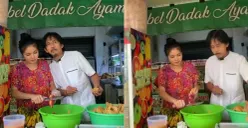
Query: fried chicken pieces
(240, 108)
(95, 90)
(110, 109)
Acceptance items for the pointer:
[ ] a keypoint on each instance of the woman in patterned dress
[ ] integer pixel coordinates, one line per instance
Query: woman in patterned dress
(31, 79)
(177, 81)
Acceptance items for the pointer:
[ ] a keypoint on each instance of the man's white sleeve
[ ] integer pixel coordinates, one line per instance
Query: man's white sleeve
(243, 69)
(207, 74)
(85, 65)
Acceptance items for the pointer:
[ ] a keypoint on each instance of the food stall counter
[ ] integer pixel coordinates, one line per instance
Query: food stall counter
(231, 125)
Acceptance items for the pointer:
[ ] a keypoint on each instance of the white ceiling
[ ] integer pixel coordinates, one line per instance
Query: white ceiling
(159, 3)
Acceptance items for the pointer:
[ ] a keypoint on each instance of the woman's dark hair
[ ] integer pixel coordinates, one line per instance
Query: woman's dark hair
(219, 35)
(171, 44)
(25, 41)
(54, 35)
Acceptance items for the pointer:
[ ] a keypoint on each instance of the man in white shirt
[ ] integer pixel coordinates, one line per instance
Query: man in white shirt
(71, 70)
(225, 72)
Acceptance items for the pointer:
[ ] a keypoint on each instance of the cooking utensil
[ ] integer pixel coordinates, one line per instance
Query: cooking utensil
(197, 103)
(54, 98)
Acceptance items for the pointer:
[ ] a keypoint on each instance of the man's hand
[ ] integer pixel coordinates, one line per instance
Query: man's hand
(70, 90)
(217, 90)
(97, 91)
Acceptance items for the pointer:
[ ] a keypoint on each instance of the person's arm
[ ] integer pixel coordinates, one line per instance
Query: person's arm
(87, 69)
(162, 81)
(95, 80)
(15, 84)
(210, 86)
(50, 80)
(68, 91)
(195, 77)
(97, 90)
(20, 95)
(52, 86)
(207, 79)
(165, 96)
(63, 92)
(35, 98)
(243, 69)
(85, 66)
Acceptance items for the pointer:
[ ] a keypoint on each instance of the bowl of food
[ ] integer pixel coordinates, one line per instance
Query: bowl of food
(106, 114)
(237, 112)
(61, 116)
(202, 116)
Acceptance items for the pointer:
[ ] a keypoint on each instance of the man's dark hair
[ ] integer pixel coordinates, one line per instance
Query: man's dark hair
(54, 35)
(219, 35)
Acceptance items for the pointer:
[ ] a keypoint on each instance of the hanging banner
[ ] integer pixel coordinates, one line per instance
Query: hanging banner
(30, 14)
(198, 16)
(141, 75)
(4, 71)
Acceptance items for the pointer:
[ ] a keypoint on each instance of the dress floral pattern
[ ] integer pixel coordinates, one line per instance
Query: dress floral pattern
(36, 81)
(178, 84)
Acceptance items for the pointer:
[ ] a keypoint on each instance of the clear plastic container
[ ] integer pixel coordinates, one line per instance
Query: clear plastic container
(157, 121)
(97, 126)
(14, 121)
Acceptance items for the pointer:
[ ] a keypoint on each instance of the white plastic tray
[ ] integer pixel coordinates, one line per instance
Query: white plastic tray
(97, 126)
(232, 125)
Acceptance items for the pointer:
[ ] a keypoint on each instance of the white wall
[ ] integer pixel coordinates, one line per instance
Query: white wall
(97, 32)
(236, 33)
(161, 42)
(157, 48)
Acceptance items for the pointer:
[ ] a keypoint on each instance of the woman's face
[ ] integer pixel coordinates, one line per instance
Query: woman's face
(175, 57)
(31, 54)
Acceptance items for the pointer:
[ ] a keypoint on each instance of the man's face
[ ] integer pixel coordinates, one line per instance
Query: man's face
(53, 47)
(219, 49)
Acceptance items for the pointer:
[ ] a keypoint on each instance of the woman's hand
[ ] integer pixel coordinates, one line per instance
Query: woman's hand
(37, 99)
(56, 92)
(194, 92)
(178, 104)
